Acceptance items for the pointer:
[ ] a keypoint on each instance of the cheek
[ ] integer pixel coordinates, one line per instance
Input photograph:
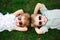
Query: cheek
(43, 23)
(16, 21)
(23, 21)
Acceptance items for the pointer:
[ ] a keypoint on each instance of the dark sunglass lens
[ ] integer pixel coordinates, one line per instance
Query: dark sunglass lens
(40, 23)
(39, 17)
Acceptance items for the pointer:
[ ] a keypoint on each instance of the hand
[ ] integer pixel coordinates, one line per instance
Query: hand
(18, 12)
(38, 6)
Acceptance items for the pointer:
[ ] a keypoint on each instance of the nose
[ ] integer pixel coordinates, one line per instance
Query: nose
(42, 20)
(19, 18)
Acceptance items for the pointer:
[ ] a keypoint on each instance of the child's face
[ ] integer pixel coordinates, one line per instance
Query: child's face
(21, 20)
(39, 20)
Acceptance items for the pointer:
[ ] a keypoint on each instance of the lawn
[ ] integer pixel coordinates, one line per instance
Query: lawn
(28, 6)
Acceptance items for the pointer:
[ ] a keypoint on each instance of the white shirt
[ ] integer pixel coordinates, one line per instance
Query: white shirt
(7, 22)
(53, 17)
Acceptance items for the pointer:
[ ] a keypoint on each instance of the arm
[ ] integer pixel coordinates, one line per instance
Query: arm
(38, 6)
(21, 28)
(41, 30)
(18, 12)
(38, 31)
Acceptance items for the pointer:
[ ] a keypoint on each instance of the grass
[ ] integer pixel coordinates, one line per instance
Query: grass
(28, 6)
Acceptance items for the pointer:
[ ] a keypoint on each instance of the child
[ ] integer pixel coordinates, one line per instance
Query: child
(15, 21)
(48, 19)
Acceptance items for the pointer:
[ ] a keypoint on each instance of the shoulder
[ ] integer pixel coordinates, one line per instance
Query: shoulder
(9, 15)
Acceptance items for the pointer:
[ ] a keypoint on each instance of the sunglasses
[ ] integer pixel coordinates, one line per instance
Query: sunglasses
(39, 17)
(40, 21)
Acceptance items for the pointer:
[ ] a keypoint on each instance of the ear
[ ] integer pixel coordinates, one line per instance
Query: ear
(18, 12)
(32, 21)
(32, 25)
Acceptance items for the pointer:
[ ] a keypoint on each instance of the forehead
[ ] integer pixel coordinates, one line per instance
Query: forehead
(37, 18)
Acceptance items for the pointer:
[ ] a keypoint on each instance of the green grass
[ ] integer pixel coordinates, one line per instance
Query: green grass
(28, 6)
